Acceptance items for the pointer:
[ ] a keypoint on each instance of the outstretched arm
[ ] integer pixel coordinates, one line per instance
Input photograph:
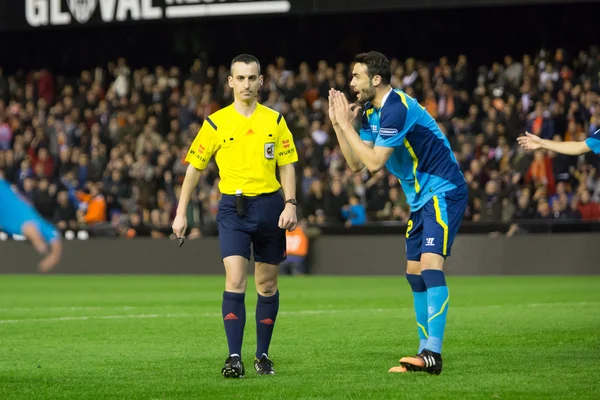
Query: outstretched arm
(572, 148)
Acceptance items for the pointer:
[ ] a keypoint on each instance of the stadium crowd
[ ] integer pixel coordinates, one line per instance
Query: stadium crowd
(105, 149)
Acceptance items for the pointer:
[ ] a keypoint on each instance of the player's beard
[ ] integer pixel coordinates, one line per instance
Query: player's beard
(366, 95)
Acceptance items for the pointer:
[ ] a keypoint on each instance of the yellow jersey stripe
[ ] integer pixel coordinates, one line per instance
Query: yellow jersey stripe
(440, 220)
(415, 164)
(441, 310)
(424, 330)
(403, 98)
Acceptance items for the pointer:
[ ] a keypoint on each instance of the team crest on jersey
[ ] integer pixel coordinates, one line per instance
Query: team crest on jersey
(82, 10)
(269, 151)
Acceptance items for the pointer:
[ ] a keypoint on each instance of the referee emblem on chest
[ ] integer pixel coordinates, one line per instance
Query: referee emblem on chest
(270, 151)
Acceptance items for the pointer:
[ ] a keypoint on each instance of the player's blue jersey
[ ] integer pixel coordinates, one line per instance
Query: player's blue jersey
(422, 159)
(15, 212)
(593, 142)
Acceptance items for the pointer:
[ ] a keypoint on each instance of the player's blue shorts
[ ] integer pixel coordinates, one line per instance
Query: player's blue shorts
(258, 229)
(433, 227)
(15, 213)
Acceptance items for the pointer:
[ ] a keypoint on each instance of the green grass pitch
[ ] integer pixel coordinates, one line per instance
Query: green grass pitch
(161, 337)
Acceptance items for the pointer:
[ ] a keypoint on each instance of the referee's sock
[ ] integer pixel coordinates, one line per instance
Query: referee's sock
(234, 318)
(437, 304)
(419, 290)
(266, 314)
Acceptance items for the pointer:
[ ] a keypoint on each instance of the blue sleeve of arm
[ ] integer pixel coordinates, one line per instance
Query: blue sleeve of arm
(366, 134)
(394, 126)
(361, 216)
(593, 142)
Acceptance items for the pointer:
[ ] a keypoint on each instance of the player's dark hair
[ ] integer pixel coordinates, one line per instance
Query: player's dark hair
(377, 64)
(246, 59)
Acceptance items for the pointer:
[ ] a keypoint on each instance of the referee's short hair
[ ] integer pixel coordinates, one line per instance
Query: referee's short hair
(246, 59)
(377, 64)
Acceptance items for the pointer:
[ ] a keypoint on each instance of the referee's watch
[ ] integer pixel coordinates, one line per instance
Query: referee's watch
(292, 201)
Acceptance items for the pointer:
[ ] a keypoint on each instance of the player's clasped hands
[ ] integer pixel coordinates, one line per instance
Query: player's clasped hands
(339, 108)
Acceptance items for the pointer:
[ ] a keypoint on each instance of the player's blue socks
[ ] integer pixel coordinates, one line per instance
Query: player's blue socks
(234, 317)
(266, 314)
(419, 290)
(437, 305)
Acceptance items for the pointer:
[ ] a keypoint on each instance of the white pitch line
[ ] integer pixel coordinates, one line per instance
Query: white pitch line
(48, 309)
(87, 318)
(301, 312)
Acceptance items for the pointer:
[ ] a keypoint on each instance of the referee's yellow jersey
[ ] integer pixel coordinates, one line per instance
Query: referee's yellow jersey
(247, 150)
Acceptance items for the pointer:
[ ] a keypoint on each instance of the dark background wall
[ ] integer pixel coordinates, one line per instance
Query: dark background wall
(486, 34)
(569, 254)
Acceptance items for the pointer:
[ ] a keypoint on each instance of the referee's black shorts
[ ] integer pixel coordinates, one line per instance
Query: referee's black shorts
(258, 227)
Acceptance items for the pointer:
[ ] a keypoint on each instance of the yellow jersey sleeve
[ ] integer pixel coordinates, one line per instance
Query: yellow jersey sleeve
(285, 148)
(204, 145)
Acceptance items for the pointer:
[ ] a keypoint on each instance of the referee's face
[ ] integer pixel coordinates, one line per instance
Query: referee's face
(361, 84)
(245, 80)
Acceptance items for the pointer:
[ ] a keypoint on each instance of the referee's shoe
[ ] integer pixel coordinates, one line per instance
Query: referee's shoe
(263, 365)
(234, 367)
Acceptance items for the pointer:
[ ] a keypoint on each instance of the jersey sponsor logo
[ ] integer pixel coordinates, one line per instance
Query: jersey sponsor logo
(198, 156)
(388, 132)
(286, 144)
(201, 149)
(269, 151)
(286, 152)
(429, 242)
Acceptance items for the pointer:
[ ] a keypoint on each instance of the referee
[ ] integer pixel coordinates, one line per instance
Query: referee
(249, 141)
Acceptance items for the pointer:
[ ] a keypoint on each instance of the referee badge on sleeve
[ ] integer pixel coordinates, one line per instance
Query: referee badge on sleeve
(269, 151)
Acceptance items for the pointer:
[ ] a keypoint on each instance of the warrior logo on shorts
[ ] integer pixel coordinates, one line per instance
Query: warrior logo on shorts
(269, 151)
(82, 10)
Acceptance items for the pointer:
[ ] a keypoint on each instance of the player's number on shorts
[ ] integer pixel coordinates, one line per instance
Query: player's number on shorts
(409, 227)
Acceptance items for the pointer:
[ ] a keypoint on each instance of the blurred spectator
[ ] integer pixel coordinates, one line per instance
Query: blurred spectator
(65, 214)
(297, 250)
(91, 206)
(354, 213)
(588, 209)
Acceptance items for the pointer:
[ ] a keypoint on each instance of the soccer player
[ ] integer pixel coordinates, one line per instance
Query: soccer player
(572, 148)
(19, 218)
(399, 134)
(249, 141)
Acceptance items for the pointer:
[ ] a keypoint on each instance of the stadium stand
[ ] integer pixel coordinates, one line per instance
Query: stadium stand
(104, 151)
